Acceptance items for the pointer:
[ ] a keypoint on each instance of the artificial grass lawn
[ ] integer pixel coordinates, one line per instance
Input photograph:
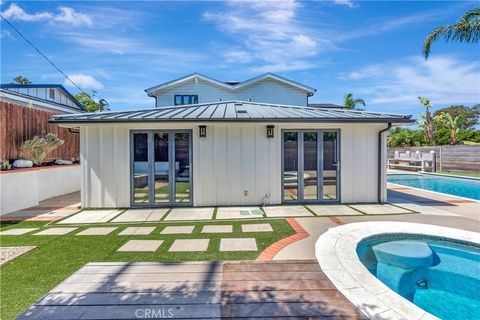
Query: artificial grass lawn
(27, 278)
(460, 174)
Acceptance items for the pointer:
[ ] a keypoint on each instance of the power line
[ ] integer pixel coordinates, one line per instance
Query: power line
(44, 56)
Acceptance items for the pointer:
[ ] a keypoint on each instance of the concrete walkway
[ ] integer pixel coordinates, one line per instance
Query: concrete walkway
(206, 290)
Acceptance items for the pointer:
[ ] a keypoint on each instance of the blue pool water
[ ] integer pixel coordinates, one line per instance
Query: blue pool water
(468, 188)
(442, 277)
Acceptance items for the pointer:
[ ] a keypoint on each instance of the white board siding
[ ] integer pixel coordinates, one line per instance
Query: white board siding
(268, 91)
(232, 159)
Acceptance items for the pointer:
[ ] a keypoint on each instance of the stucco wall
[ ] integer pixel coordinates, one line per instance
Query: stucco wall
(20, 189)
(233, 158)
(269, 91)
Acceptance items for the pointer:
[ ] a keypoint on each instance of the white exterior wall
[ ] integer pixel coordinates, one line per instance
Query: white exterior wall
(43, 93)
(268, 90)
(232, 159)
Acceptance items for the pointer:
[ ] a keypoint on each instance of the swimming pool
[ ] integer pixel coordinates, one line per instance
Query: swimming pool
(463, 187)
(439, 275)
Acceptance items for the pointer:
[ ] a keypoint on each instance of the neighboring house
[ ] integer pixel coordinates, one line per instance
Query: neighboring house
(196, 88)
(48, 97)
(232, 152)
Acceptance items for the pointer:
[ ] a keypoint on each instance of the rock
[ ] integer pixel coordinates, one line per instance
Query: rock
(22, 163)
(60, 161)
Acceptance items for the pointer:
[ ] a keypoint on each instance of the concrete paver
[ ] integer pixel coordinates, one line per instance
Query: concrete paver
(178, 230)
(141, 245)
(92, 216)
(184, 214)
(96, 231)
(139, 231)
(141, 215)
(186, 245)
(217, 229)
(238, 244)
(257, 227)
(16, 231)
(286, 211)
(54, 231)
(379, 209)
(333, 210)
(238, 213)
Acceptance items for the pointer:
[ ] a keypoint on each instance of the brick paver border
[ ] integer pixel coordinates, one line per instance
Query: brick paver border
(275, 248)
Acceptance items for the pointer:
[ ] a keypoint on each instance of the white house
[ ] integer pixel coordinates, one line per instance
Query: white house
(221, 153)
(48, 97)
(196, 88)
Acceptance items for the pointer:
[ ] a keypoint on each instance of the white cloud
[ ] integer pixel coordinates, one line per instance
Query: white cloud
(268, 33)
(66, 15)
(346, 3)
(443, 79)
(83, 81)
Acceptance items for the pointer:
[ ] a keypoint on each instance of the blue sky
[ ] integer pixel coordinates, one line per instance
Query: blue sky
(372, 49)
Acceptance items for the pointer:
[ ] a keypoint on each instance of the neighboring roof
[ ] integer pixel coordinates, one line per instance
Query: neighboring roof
(234, 111)
(25, 99)
(325, 105)
(232, 85)
(28, 86)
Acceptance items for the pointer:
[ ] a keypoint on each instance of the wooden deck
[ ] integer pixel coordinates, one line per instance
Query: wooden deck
(246, 289)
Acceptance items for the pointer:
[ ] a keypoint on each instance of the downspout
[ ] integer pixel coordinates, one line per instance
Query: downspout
(380, 165)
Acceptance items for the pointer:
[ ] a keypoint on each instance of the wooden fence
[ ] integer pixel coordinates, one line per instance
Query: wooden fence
(19, 123)
(449, 158)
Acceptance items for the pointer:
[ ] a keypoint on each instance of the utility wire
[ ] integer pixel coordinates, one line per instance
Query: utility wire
(40, 52)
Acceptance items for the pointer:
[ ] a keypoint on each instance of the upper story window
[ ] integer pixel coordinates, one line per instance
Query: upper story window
(51, 94)
(181, 99)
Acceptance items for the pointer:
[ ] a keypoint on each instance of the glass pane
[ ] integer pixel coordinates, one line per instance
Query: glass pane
(161, 166)
(330, 165)
(310, 162)
(182, 167)
(290, 166)
(178, 100)
(195, 99)
(140, 168)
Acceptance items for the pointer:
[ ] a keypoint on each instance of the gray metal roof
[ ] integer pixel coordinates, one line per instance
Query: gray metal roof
(234, 111)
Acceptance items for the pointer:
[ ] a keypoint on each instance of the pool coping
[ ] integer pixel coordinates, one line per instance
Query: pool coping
(336, 253)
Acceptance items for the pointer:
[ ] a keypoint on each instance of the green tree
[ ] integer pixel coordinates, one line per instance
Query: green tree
(469, 115)
(350, 103)
(89, 102)
(21, 80)
(402, 137)
(426, 120)
(451, 124)
(466, 29)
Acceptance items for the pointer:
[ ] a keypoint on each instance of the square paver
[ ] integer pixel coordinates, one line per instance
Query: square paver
(141, 245)
(333, 210)
(178, 230)
(54, 232)
(257, 227)
(217, 229)
(182, 214)
(238, 244)
(92, 216)
(17, 231)
(183, 245)
(379, 209)
(139, 231)
(141, 215)
(286, 211)
(238, 213)
(96, 231)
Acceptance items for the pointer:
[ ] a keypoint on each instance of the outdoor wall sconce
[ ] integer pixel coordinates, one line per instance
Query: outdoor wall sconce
(202, 131)
(270, 131)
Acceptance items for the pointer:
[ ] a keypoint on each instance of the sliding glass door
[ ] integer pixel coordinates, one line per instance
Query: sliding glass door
(310, 167)
(161, 168)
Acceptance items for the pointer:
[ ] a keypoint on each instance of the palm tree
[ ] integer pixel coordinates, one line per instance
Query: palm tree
(426, 122)
(466, 29)
(351, 103)
(21, 80)
(452, 124)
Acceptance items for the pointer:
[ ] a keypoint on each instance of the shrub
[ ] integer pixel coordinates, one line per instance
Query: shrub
(4, 165)
(37, 148)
